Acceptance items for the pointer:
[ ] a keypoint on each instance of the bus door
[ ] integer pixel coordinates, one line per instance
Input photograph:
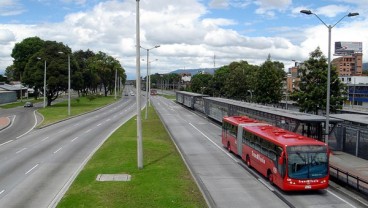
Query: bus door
(239, 139)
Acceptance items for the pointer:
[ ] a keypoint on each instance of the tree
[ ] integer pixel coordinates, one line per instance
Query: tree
(9, 72)
(84, 80)
(57, 70)
(312, 92)
(21, 53)
(268, 86)
(239, 80)
(218, 81)
(104, 66)
(201, 83)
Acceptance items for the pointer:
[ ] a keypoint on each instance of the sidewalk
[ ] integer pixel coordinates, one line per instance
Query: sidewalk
(4, 122)
(347, 167)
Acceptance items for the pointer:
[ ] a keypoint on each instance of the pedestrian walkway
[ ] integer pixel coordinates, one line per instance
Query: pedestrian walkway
(350, 169)
(4, 122)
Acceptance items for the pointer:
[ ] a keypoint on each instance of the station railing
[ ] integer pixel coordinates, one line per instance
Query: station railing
(349, 179)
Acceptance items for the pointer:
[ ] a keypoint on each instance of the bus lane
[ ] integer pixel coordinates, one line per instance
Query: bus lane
(223, 182)
(225, 179)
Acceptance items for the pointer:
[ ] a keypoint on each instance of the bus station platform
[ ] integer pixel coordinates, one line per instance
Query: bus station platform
(350, 170)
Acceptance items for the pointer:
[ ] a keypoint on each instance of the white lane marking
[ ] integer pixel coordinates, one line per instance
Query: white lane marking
(60, 131)
(220, 148)
(341, 199)
(34, 125)
(74, 139)
(11, 123)
(58, 150)
(108, 120)
(2, 191)
(6, 142)
(19, 151)
(44, 139)
(32, 169)
(88, 130)
(77, 124)
(99, 124)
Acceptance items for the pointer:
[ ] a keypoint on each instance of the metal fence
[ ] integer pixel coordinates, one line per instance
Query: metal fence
(349, 179)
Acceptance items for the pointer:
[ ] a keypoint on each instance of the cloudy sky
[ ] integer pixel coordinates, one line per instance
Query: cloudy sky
(191, 33)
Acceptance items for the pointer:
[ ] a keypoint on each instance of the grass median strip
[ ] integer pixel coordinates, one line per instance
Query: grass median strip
(80, 105)
(163, 182)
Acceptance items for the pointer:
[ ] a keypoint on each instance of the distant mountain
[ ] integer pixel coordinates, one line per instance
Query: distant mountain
(194, 71)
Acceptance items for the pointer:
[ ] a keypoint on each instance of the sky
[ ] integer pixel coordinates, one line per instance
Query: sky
(191, 33)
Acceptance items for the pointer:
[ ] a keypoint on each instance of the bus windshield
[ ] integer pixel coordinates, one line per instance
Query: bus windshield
(307, 162)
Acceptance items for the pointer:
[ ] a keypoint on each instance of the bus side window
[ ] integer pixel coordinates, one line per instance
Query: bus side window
(257, 144)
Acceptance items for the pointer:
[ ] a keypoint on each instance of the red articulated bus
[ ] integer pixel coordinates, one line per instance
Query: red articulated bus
(289, 160)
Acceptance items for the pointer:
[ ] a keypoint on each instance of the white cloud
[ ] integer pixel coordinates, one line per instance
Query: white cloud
(219, 4)
(11, 7)
(266, 6)
(332, 10)
(6, 36)
(188, 38)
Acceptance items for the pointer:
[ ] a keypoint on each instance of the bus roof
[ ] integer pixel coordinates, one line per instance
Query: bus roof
(281, 136)
(236, 120)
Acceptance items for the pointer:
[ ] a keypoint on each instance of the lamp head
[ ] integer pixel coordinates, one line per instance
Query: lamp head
(308, 12)
(157, 46)
(353, 14)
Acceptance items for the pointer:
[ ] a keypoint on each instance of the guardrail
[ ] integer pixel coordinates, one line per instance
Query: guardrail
(351, 180)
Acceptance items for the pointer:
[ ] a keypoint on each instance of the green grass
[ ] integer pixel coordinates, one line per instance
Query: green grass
(164, 180)
(19, 103)
(59, 111)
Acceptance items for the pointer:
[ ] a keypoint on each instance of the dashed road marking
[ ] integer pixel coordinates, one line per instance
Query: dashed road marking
(30, 170)
(58, 150)
(19, 151)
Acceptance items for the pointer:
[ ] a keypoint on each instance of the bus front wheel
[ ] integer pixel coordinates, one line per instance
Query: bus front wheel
(228, 147)
(270, 176)
(247, 161)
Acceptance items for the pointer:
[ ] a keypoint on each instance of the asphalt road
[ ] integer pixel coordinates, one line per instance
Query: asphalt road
(224, 179)
(37, 168)
(23, 121)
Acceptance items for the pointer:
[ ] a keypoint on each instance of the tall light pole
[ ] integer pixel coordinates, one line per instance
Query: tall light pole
(138, 98)
(308, 12)
(147, 77)
(44, 84)
(68, 82)
(149, 82)
(116, 75)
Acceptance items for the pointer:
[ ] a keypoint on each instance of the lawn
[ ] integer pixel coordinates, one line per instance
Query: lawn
(59, 111)
(164, 180)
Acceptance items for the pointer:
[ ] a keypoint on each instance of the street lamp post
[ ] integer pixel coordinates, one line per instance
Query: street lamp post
(60, 52)
(308, 12)
(148, 76)
(149, 83)
(138, 98)
(116, 75)
(44, 84)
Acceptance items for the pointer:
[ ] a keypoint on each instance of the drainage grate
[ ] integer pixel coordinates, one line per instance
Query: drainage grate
(113, 177)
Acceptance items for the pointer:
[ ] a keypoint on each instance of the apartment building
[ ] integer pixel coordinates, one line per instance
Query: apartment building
(350, 65)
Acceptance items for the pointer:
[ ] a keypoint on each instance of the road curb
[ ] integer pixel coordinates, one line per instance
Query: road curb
(4, 122)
